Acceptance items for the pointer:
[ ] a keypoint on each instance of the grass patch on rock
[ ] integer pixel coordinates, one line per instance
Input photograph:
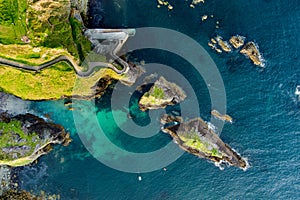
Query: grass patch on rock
(193, 140)
(12, 135)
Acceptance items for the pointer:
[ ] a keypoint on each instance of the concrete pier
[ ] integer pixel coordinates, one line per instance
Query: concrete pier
(108, 42)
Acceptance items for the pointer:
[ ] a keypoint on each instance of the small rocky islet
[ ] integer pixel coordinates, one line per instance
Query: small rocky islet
(237, 41)
(161, 94)
(197, 138)
(194, 136)
(250, 49)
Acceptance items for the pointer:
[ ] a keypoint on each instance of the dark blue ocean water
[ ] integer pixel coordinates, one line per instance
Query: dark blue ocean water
(261, 101)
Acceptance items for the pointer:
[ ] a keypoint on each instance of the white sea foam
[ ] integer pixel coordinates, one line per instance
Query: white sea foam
(220, 165)
(261, 58)
(211, 126)
(244, 158)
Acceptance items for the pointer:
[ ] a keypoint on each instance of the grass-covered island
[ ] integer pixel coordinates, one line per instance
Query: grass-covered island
(24, 138)
(197, 138)
(161, 94)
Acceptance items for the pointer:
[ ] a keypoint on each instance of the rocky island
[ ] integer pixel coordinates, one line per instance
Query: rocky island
(25, 137)
(161, 94)
(251, 50)
(197, 138)
(237, 41)
(224, 117)
(223, 44)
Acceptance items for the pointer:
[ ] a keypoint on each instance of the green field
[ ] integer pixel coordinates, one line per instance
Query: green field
(56, 30)
(52, 32)
(50, 83)
(12, 21)
(55, 82)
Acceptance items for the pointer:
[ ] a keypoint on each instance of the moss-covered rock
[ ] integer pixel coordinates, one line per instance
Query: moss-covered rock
(196, 137)
(24, 138)
(161, 94)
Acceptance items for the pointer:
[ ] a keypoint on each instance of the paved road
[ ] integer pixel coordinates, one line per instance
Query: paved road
(92, 65)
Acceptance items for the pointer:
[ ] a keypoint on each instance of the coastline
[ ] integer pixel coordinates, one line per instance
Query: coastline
(261, 101)
(26, 137)
(33, 63)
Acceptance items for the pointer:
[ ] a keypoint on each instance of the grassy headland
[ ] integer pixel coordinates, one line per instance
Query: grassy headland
(34, 32)
(12, 21)
(54, 82)
(24, 138)
(11, 134)
(14, 128)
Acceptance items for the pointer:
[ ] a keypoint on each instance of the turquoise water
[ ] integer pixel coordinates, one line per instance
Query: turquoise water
(261, 101)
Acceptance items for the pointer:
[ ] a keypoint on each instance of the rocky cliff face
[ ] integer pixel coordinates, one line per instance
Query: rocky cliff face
(80, 5)
(251, 50)
(197, 138)
(94, 14)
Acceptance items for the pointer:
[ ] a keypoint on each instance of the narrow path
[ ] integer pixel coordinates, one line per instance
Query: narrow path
(91, 67)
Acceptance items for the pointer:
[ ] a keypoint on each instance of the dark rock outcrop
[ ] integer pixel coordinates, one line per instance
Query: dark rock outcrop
(197, 138)
(27, 137)
(237, 41)
(251, 50)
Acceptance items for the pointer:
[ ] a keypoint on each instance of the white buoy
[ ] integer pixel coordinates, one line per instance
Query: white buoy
(140, 178)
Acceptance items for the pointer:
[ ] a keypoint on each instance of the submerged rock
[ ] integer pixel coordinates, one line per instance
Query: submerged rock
(197, 138)
(221, 117)
(24, 138)
(297, 91)
(237, 41)
(251, 50)
(161, 94)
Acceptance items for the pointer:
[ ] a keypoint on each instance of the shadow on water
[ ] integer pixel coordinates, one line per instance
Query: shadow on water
(139, 117)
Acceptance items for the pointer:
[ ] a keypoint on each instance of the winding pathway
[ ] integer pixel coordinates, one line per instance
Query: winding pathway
(92, 65)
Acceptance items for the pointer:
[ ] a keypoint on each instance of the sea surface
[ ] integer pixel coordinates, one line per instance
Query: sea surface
(261, 101)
